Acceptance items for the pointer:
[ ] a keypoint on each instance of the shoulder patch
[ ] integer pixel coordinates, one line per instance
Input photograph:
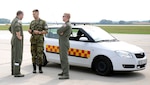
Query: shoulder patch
(19, 21)
(46, 27)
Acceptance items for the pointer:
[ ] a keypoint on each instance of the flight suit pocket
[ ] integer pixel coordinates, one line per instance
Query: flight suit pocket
(32, 40)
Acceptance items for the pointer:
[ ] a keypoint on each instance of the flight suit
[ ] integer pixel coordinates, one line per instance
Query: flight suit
(37, 42)
(16, 46)
(64, 46)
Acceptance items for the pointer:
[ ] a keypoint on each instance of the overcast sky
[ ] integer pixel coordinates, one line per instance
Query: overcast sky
(81, 10)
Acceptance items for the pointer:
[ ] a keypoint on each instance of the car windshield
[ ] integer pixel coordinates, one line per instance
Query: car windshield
(99, 34)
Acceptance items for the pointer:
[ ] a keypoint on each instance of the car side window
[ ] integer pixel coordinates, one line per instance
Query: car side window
(52, 33)
(77, 34)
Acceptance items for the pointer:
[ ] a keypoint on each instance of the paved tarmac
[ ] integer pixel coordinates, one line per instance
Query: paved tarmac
(78, 75)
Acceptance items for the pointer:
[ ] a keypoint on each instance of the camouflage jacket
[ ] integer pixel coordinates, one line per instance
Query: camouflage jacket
(39, 25)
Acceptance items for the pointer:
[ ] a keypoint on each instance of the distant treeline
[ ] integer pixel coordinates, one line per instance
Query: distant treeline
(110, 22)
(103, 21)
(4, 21)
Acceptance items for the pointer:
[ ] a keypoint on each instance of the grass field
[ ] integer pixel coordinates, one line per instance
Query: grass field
(110, 29)
(127, 29)
(5, 27)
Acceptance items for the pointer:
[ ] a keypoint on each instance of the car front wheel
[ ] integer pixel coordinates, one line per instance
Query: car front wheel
(103, 66)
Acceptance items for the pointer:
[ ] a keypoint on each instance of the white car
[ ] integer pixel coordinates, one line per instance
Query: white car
(92, 47)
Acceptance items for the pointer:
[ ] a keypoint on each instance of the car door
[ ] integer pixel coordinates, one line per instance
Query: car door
(51, 45)
(80, 48)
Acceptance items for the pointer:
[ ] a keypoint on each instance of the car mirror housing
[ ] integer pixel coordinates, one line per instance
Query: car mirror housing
(83, 39)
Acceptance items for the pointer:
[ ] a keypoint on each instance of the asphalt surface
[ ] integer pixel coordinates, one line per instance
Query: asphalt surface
(78, 75)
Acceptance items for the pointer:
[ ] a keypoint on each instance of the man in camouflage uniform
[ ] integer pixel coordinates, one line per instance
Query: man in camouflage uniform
(64, 34)
(16, 44)
(38, 27)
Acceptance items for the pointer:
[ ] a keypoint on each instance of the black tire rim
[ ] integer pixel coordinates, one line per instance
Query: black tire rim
(102, 66)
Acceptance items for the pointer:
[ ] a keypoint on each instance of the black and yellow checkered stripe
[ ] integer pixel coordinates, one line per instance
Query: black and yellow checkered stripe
(72, 51)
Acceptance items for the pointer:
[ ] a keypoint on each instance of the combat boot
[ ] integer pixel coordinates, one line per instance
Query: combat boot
(60, 74)
(40, 69)
(18, 75)
(63, 77)
(34, 68)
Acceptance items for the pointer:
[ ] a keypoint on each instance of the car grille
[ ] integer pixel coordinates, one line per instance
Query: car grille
(140, 55)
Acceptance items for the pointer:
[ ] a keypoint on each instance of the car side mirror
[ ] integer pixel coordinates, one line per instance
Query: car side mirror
(83, 39)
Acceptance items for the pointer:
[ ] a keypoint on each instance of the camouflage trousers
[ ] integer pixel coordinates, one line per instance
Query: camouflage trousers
(37, 53)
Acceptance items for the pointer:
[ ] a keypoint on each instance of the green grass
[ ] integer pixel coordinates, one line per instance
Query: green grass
(111, 29)
(5, 27)
(127, 29)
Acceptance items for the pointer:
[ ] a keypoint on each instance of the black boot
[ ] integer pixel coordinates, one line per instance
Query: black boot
(12, 73)
(40, 69)
(34, 68)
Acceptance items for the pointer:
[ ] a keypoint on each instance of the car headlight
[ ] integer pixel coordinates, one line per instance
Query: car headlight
(124, 54)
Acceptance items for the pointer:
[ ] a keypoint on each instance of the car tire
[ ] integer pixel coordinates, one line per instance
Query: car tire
(102, 66)
(44, 60)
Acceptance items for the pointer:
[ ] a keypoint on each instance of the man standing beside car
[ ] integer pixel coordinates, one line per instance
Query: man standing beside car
(38, 27)
(16, 44)
(64, 34)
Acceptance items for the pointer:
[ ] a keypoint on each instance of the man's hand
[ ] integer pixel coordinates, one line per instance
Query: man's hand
(30, 31)
(20, 37)
(61, 33)
(43, 32)
(36, 32)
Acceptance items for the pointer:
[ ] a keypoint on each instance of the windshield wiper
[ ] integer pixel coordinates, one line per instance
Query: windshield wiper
(108, 40)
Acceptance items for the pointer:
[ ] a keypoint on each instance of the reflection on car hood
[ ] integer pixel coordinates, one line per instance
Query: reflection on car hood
(120, 45)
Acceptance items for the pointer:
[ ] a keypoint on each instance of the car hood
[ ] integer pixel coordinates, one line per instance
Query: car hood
(120, 45)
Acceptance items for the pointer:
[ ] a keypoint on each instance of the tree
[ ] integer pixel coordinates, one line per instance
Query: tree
(122, 22)
(4, 21)
(104, 21)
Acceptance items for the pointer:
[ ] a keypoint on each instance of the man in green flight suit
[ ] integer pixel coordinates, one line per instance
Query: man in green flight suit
(64, 34)
(16, 44)
(38, 27)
